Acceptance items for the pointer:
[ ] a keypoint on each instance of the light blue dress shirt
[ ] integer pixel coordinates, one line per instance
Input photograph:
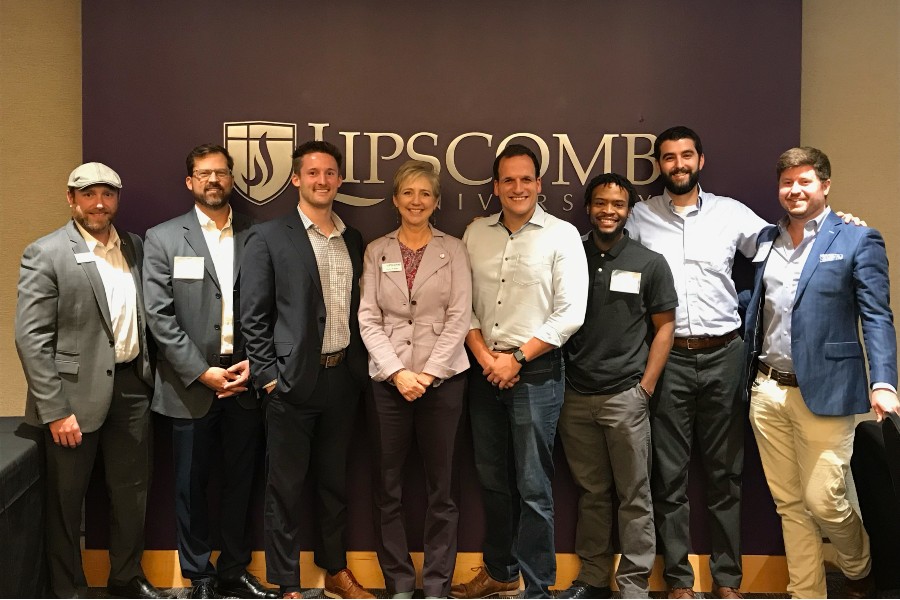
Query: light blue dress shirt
(699, 245)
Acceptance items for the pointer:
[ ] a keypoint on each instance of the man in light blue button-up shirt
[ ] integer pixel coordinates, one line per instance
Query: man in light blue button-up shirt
(699, 234)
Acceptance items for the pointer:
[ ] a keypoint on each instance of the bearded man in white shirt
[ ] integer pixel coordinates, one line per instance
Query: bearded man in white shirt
(80, 335)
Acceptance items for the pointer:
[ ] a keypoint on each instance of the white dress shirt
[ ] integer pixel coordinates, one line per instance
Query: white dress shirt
(531, 283)
(121, 292)
(220, 243)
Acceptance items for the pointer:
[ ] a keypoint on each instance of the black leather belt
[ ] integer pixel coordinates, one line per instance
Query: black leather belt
(125, 365)
(704, 343)
(332, 360)
(788, 379)
(226, 360)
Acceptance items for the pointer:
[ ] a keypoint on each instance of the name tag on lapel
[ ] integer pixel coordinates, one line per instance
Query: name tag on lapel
(830, 257)
(188, 267)
(391, 267)
(85, 257)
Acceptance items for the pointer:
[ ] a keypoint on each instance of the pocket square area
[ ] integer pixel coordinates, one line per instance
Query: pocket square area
(830, 257)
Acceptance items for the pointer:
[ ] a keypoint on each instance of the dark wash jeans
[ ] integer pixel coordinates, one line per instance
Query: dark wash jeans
(513, 432)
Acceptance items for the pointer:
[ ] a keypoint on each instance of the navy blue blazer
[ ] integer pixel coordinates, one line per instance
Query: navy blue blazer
(283, 308)
(843, 283)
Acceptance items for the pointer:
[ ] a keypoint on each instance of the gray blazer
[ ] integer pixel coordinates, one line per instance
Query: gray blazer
(64, 332)
(422, 330)
(185, 315)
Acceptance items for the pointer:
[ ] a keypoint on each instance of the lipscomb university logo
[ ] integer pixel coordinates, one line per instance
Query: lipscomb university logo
(262, 157)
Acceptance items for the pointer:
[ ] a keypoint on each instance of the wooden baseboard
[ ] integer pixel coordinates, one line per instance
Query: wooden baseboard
(762, 574)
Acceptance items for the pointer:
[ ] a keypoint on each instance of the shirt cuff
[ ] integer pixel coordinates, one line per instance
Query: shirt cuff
(883, 386)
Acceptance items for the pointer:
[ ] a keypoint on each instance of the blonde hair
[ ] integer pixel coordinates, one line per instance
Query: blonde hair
(417, 168)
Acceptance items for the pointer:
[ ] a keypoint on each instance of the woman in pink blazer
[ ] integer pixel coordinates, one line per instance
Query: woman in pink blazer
(414, 314)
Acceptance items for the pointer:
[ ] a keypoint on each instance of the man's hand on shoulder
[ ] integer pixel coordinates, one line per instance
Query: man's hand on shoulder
(66, 432)
(850, 219)
(884, 401)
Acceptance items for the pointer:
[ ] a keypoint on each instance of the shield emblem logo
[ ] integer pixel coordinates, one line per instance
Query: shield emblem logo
(262, 157)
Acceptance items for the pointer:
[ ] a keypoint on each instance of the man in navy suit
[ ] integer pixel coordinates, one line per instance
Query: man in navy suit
(817, 279)
(300, 297)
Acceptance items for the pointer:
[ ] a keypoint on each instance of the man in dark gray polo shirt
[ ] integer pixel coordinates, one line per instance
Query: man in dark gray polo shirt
(612, 365)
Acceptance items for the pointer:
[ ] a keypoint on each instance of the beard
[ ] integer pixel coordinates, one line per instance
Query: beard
(213, 201)
(609, 237)
(94, 223)
(680, 189)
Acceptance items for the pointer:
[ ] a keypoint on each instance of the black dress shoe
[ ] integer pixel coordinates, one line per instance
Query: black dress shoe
(203, 589)
(244, 586)
(580, 589)
(138, 587)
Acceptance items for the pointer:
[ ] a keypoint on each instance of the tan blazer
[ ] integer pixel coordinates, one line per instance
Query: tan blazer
(423, 331)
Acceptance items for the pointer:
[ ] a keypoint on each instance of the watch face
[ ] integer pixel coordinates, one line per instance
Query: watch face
(519, 356)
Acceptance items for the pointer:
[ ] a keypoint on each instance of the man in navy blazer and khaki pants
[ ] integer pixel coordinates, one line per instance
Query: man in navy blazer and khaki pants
(817, 279)
(191, 269)
(300, 296)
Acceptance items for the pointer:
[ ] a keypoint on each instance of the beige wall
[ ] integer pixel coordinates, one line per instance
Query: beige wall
(850, 109)
(40, 138)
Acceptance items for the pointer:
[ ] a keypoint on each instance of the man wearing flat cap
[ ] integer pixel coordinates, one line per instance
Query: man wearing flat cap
(80, 335)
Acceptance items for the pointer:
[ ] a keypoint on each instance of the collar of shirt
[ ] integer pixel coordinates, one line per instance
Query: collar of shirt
(667, 198)
(537, 218)
(613, 252)
(93, 242)
(810, 228)
(339, 225)
(208, 224)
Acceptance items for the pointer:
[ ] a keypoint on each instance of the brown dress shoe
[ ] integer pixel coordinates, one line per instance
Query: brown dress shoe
(681, 592)
(483, 585)
(344, 585)
(860, 588)
(723, 591)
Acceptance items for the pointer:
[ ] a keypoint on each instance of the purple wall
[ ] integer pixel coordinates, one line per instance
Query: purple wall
(161, 77)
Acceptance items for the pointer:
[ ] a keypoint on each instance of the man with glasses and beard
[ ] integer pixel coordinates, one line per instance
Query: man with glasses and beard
(191, 274)
(697, 395)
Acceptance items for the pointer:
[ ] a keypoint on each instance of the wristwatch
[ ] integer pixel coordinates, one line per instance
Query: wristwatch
(520, 356)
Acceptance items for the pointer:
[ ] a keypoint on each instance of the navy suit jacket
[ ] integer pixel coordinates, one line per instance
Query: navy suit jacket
(283, 308)
(843, 283)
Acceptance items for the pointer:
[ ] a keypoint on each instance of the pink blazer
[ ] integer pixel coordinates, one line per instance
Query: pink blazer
(423, 331)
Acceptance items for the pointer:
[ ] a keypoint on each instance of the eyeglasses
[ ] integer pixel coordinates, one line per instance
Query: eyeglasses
(204, 174)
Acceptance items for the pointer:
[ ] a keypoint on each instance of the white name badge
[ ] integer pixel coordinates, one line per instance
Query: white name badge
(830, 257)
(85, 257)
(188, 267)
(391, 267)
(762, 252)
(627, 282)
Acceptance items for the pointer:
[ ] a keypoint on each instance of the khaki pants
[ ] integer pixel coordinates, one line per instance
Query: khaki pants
(806, 459)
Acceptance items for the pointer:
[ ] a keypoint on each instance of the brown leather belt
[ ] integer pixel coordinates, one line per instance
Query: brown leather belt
(704, 343)
(788, 379)
(332, 360)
